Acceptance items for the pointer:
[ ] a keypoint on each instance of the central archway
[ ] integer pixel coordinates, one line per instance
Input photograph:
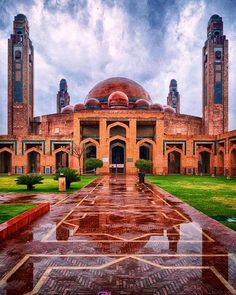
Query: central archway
(117, 156)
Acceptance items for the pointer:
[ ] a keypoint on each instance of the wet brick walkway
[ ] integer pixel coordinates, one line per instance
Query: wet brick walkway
(123, 238)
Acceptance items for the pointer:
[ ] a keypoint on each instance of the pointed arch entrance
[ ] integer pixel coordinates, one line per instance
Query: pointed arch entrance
(145, 152)
(117, 156)
(174, 162)
(220, 163)
(233, 162)
(5, 162)
(204, 160)
(62, 160)
(90, 152)
(33, 160)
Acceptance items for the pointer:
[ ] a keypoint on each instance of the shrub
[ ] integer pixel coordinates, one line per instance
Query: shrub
(143, 165)
(71, 175)
(30, 180)
(93, 163)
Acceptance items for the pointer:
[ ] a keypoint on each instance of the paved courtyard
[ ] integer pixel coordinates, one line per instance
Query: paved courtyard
(117, 236)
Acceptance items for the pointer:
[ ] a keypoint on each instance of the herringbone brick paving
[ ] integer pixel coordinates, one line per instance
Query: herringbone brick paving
(123, 238)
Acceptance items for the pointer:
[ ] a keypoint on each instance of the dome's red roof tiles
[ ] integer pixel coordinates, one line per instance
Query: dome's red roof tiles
(131, 88)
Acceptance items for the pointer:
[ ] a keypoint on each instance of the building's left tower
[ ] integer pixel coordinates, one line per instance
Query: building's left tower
(20, 78)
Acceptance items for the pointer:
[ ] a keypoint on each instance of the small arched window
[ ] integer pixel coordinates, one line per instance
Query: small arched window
(17, 54)
(218, 55)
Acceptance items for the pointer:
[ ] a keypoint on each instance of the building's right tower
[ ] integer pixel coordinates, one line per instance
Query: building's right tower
(215, 79)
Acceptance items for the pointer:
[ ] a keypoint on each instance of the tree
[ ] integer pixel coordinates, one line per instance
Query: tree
(30, 180)
(143, 165)
(77, 151)
(71, 175)
(93, 163)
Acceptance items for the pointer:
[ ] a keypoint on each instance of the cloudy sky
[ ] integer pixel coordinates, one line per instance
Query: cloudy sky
(149, 41)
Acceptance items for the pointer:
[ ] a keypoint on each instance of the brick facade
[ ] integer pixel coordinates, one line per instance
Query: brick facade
(215, 79)
(20, 78)
(118, 122)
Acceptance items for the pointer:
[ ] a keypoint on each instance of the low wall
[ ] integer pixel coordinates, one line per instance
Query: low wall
(10, 227)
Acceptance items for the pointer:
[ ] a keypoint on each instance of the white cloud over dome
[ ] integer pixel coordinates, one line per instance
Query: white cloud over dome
(94, 41)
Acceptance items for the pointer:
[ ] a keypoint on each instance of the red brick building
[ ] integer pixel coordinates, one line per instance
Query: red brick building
(118, 121)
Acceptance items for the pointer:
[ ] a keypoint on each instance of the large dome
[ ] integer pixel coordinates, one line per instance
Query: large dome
(132, 89)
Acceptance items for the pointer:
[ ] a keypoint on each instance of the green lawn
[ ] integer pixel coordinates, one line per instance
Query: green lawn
(8, 184)
(8, 211)
(214, 196)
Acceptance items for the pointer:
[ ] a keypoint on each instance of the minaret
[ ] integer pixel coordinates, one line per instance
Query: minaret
(63, 97)
(20, 78)
(215, 79)
(173, 98)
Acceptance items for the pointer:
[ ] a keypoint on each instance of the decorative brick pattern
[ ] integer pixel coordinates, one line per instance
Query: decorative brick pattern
(121, 237)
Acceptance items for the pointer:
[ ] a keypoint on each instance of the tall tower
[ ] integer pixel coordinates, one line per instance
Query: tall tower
(63, 97)
(20, 78)
(215, 79)
(173, 98)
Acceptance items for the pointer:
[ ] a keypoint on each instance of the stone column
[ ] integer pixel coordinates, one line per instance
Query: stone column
(158, 158)
(189, 161)
(104, 146)
(131, 147)
(76, 141)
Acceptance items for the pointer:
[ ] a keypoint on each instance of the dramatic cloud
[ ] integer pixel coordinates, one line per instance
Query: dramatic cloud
(150, 41)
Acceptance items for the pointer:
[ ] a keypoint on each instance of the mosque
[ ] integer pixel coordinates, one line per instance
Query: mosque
(118, 122)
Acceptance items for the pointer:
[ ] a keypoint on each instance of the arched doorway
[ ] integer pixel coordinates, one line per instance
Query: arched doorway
(145, 152)
(33, 162)
(5, 162)
(204, 162)
(90, 152)
(174, 162)
(233, 163)
(117, 156)
(220, 163)
(62, 160)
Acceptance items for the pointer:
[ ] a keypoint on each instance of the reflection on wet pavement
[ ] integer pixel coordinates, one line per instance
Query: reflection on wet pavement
(117, 236)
